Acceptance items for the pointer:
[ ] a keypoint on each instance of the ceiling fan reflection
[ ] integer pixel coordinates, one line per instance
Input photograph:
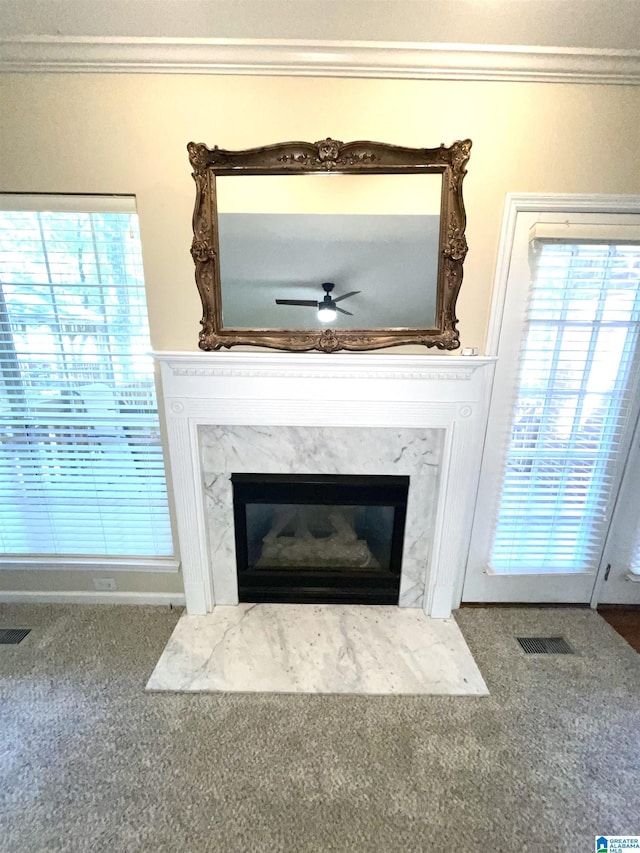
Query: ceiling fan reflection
(327, 308)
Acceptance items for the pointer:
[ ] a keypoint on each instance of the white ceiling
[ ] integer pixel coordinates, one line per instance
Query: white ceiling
(604, 24)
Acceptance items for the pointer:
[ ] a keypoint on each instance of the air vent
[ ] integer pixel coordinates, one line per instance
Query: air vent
(545, 645)
(13, 636)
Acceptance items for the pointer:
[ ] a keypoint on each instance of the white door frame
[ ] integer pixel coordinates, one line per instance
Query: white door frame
(616, 584)
(480, 583)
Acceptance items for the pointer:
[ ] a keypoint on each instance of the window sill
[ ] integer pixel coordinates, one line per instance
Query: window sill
(90, 564)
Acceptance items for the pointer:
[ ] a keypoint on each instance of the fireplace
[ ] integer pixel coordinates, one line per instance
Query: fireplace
(319, 538)
(419, 416)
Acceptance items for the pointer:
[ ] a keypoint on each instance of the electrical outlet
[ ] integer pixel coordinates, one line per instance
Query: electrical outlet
(104, 584)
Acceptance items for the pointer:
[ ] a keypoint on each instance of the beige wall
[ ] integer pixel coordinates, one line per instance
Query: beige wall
(127, 134)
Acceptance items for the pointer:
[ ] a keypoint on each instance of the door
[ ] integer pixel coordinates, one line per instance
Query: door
(560, 472)
(619, 579)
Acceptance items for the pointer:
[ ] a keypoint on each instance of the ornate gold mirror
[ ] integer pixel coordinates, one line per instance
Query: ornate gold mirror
(329, 245)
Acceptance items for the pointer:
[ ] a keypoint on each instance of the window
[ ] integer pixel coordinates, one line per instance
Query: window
(635, 560)
(81, 464)
(577, 369)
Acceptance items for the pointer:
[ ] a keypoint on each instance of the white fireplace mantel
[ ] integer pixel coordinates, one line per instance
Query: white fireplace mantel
(358, 390)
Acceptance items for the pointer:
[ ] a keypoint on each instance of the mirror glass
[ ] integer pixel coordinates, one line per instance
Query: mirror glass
(374, 236)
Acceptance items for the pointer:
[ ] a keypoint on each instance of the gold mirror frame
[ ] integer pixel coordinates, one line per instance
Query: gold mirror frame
(289, 158)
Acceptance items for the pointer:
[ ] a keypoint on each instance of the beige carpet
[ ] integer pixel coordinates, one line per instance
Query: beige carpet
(91, 762)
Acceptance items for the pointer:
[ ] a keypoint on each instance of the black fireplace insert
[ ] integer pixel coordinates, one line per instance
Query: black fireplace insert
(319, 538)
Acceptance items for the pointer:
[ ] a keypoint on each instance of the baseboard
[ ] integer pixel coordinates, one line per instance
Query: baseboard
(86, 597)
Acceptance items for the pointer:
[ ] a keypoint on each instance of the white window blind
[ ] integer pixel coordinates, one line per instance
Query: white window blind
(578, 363)
(81, 465)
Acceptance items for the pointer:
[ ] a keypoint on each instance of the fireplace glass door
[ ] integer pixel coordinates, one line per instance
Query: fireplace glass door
(319, 538)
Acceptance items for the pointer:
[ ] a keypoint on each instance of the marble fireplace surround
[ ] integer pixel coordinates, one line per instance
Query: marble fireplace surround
(227, 450)
(363, 413)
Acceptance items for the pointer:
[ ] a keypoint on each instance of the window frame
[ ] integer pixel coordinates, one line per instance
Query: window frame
(91, 203)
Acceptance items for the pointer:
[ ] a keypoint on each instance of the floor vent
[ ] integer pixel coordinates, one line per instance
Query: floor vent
(13, 636)
(545, 645)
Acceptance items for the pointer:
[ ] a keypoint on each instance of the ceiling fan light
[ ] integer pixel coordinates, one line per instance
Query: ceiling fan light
(327, 313)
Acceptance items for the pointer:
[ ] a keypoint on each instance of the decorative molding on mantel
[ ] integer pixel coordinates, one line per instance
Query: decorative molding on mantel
(311, 58)
(322, 366)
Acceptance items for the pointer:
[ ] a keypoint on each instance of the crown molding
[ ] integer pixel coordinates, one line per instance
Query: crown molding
(402, 60)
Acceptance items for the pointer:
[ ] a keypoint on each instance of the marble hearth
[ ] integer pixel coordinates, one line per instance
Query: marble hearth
(317, 648)
(256, 412)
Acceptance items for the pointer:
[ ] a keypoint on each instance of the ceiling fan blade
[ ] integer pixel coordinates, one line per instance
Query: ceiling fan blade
(346, 295)
(307, 302)
(342, 311)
